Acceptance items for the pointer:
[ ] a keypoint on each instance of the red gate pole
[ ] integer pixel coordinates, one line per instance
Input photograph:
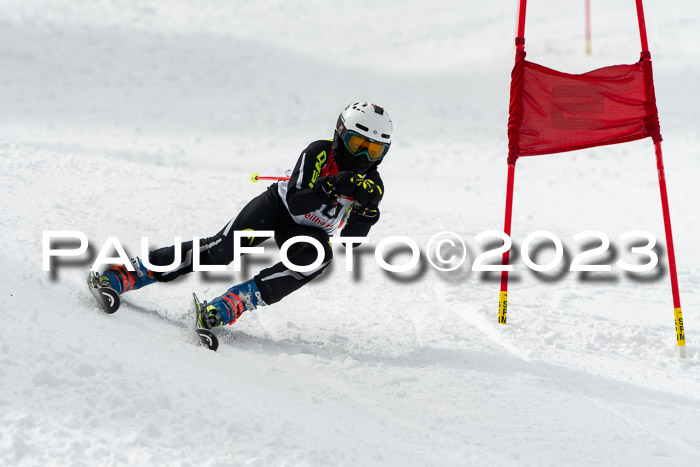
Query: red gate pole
(588, 27)
(642, 26)
(677, 311)
(503, 295)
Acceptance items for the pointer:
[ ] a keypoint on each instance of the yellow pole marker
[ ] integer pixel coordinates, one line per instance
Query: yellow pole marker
(680, 331)
(502, 306)
(254, 178)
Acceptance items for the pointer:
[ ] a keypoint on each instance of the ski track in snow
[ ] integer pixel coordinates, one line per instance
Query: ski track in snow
(146, 119)
(586, 384)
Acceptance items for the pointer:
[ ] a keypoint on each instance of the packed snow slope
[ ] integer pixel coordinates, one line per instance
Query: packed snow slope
(146, 118)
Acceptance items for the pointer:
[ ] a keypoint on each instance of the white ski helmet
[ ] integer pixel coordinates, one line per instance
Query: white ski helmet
(365, 130)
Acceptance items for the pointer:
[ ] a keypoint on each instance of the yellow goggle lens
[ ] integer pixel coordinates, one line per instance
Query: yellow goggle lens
(357, 144)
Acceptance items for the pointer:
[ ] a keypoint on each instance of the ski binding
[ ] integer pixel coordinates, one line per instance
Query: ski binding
(206, 337)
(106, 297)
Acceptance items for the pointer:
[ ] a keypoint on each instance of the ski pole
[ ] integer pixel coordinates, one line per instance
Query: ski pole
(255, 178)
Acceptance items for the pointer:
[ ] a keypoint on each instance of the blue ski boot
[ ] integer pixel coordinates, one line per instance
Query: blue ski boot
(227, 308)
(122, 280)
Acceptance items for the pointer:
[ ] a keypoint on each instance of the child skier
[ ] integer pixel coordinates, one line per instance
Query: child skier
(334, 185)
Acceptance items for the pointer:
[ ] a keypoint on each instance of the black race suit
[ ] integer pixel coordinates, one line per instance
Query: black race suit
(289, 208)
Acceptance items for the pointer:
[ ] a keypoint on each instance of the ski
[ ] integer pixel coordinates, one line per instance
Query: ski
(206, 337)
(106, 297)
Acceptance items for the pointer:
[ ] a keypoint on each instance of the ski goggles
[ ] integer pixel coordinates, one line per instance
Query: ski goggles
(358, 145)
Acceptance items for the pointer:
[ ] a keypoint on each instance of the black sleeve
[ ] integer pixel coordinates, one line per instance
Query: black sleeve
(359, 225)
(302, 193)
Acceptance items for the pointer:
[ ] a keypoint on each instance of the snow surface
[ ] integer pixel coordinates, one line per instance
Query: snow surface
(146, 118)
